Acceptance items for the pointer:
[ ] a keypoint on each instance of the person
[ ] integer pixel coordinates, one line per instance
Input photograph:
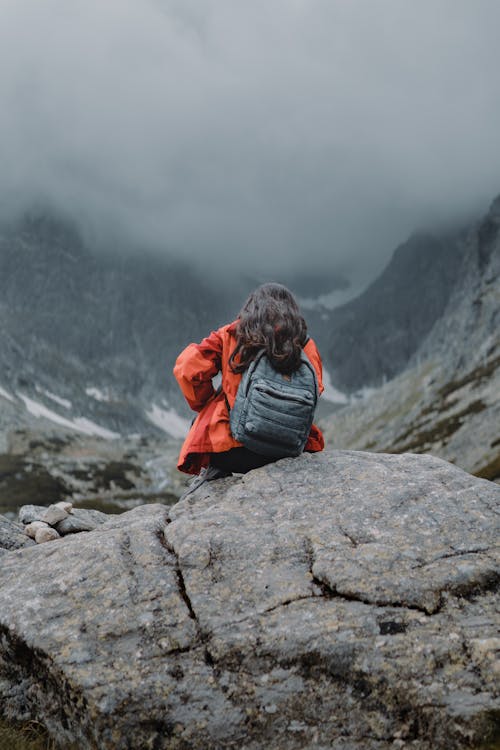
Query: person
(270, 319)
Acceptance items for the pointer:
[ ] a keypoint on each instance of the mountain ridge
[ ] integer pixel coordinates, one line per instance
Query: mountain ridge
(74, 321)
(447, 400)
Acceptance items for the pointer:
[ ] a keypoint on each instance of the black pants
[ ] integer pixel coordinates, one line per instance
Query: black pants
(238, 460)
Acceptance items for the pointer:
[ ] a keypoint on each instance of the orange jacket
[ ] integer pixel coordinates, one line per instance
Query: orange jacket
(210, 432)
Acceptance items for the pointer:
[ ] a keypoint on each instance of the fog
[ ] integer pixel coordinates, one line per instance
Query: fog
(263, 134)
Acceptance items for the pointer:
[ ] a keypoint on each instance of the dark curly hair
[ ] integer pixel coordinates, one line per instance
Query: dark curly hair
(270, 319)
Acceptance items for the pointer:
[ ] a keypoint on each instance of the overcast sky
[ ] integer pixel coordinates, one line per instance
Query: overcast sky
(260, 131)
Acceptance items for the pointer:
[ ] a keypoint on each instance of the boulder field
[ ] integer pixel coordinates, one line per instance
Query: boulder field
(342, 600)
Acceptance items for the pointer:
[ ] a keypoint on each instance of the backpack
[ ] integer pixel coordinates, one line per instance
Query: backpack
(273, 413)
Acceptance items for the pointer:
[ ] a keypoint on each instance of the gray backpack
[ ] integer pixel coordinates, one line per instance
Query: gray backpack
(273, 413)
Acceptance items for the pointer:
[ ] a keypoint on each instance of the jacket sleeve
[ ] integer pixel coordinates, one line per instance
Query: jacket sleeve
(315, 359)
(196, 366)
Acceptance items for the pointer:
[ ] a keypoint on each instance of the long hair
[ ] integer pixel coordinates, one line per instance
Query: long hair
(270, 319)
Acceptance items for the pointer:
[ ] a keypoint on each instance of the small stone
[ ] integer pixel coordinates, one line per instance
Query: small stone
(64, 505)
(31, 528)
(46, 535)
(29, 513)
(81, 519)
(53, 515)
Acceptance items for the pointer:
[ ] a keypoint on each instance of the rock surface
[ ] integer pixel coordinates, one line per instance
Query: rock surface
(340, 600)
(46, 534)
(12, 535)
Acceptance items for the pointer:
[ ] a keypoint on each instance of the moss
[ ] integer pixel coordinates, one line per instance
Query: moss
(491, 732)
(440, 407)
(474, 376)
(27, 736)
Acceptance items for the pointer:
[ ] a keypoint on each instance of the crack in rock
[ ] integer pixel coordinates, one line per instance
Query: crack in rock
(181, 584)
(331, 592)
(450, 555)
(130, 565)
(352, 540)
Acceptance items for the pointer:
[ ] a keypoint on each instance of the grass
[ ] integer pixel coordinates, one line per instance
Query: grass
(440, 431)
(490, 471)
(27, 736)
(474, 376)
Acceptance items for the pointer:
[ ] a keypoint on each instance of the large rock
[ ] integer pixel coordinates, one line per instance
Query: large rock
(12, 535)
(340, 600)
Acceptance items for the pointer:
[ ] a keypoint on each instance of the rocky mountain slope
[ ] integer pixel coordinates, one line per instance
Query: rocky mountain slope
(89, 338)
(93, 335)
(372, 338)
(448, 400)
(340, 600)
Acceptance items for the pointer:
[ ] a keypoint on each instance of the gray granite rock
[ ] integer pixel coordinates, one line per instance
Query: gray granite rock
(81, 519)
(30, 513)
(12, 535)
(341, 600)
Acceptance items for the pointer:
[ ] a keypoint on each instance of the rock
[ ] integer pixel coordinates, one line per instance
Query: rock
(29, 513)
(81, 519)
(68, 507)
(12, 535)
(338, 600)
(31, 528)
(53, 514)
(45, 534)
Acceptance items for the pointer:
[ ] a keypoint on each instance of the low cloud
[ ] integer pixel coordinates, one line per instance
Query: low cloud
(276, 132)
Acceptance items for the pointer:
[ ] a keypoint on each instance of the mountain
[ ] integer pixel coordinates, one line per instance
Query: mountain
(447, 400)
(94, 334)
(373, 337)
(89, 338)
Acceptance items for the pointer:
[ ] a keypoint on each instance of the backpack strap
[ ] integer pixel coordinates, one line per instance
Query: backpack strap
(249, 371)
(306, 361)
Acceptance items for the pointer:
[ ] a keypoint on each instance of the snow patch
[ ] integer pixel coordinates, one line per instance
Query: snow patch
(61, 401)
(80, 424)
(169, 421)
(333, 299)
(331, 393)
(91, 428)
(335, 396)
(6, 395)
(98, 394)
(364, 393)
